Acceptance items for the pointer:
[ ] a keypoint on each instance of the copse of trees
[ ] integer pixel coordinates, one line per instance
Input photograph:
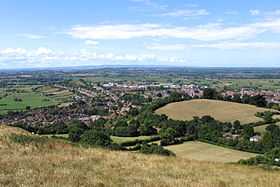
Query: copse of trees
(96, 137)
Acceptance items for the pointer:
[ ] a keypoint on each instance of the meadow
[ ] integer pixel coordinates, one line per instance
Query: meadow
(261, 129)
(19, 98)
(54, 162)
(220, 110)
(119, 140)
(207, 152)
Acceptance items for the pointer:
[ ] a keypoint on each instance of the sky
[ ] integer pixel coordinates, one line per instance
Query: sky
(201, 33)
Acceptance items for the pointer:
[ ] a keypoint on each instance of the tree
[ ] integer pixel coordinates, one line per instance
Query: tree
(96, 138)
(237, 127)
(248, 132)
(209, 93)
(167, 133)
(75, 133)
(147, 130)
(267, 141)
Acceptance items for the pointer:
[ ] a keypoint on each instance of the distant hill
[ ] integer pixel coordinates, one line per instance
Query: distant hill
(220, 110)
(49, 162)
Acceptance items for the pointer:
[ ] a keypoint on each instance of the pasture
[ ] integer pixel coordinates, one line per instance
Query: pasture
(261, 129)
(220, 110)
(22, 97)
(200, 151)
(119, 140)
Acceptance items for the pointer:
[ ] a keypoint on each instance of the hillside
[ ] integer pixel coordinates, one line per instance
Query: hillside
(57, 163)
(220, 110)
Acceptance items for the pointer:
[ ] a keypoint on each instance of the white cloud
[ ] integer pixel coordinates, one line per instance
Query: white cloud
(44, 51)
(187, 13)
(32, 36)
(91, 42)
(169, 47)
(209, 32)
(13, 51)
(48, 55)
(219, 45)
(254, 12)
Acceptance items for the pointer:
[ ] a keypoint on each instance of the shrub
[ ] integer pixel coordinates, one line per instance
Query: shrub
(75, 134)
(155, 149)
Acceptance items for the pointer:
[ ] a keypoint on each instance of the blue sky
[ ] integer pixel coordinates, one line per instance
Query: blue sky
(208, 33)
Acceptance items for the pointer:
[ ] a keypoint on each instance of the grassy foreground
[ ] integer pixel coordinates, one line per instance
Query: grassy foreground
(56, 163)
(220, 110)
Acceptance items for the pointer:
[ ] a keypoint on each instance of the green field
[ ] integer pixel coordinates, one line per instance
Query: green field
(118, 140)
(18, 98)
(261, 129)
(207, 152)
(220, 110)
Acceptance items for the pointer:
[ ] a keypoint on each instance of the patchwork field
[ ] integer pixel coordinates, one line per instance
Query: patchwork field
(206, 152)
(57, 163)
(220, 110)
(19, 98)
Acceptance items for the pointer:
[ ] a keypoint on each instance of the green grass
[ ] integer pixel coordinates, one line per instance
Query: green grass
(207, 152)
(41, 97)
(120, 140)
(261, 129)
(261, 84)
(32, 99)
(220, 110)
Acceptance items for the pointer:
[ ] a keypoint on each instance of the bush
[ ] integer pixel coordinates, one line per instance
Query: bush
(75, 134)
(155, 149)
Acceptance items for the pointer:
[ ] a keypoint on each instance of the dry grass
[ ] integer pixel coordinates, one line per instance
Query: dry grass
(59, 164)
(220, 110)
(206, 152)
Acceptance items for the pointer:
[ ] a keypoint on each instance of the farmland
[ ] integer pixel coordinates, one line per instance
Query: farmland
(220, 110)
(19, 98)
(206, 152)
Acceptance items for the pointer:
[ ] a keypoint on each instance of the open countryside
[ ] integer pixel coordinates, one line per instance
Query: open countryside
(221, 110)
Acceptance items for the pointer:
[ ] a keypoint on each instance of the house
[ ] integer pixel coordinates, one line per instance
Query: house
(255, 138)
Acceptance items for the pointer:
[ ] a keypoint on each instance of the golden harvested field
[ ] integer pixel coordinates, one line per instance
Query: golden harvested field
(220, 110)
(56, 163)
(206, 152)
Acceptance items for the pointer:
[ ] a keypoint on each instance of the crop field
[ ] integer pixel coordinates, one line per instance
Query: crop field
(18, 98)
(207, 152)
(220, 110)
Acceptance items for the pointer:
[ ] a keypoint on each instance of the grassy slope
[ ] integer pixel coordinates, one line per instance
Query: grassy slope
(221, 110)
(207, 152)
(59, 164)
(261, 129)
